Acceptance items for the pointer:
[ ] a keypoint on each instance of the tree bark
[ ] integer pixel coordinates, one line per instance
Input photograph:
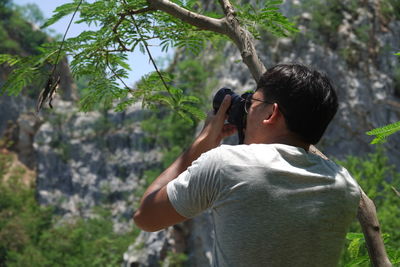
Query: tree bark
(372, 231)
(190, 17)
(230, 26)
(243, 40)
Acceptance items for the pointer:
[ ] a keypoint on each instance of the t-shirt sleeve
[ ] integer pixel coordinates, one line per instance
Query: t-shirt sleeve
(196, 189)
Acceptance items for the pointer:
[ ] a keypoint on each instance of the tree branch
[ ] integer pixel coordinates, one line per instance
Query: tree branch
(193, 18)
(395, 191)
(114, 29)
(121, 19)
(372, 232)
(315, 150)
(116, 75)
(227, 7)
(243, 40)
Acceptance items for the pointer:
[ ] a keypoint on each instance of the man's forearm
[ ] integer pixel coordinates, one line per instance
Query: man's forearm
(180, 165)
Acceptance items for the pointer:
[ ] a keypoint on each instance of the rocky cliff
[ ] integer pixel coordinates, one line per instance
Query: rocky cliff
(94, 159)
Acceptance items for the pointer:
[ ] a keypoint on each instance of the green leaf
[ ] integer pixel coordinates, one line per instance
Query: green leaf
(161, 98)
(186, 117)
(197, 113)
(267, 17)
(193, 44)
(354, 247)
(9, 59)
(352, 236)
(61, 12)
(383, 132)
(190, 99)
(358, 261)
(142, 48)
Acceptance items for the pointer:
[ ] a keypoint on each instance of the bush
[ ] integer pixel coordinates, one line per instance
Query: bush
(379, 180)
(30, 236)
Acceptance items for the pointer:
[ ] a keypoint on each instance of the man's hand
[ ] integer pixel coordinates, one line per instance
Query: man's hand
(215, 129)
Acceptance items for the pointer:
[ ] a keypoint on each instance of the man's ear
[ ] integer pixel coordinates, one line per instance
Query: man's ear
(273, 116)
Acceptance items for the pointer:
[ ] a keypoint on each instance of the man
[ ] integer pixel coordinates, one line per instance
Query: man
(273, 202)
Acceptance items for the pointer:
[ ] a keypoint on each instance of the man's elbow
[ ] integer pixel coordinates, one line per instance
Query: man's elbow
(141, 222)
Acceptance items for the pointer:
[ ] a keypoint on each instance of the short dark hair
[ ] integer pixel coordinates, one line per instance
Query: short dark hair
(306, 98)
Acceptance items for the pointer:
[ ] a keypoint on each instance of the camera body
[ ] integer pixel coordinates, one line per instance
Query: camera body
(236, 112)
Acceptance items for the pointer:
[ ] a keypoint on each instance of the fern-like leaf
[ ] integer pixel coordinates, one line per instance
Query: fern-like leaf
(60, 12)
(196, 112)
(11, 60)
(267, 17)
(383, 132)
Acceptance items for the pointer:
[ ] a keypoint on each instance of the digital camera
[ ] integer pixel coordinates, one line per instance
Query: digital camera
(236, 112)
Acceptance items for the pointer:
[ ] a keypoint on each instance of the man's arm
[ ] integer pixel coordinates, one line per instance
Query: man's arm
(156, 211)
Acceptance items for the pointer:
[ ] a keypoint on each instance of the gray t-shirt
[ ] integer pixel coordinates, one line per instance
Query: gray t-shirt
(272, 205)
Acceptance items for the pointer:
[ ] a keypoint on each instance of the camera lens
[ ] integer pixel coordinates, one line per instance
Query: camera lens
(236, 112)
(219, 97)
(236, 109)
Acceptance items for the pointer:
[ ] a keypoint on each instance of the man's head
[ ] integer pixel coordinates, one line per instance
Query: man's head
(305, 98)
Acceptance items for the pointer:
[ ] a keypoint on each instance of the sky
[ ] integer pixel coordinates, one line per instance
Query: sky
(139, 62)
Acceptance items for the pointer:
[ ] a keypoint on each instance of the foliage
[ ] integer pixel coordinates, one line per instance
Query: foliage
(30, 236)
(5, 161)
(20, 78)
(354, 256)
(356, 252)
(390, 9)
(101, 56)
(17, 35)
(377, 178)
(265, 15)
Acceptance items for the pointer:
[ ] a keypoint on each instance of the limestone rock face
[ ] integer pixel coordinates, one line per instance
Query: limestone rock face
(92, 159)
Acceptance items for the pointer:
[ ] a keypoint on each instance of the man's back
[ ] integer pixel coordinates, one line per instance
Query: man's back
(272, 205)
